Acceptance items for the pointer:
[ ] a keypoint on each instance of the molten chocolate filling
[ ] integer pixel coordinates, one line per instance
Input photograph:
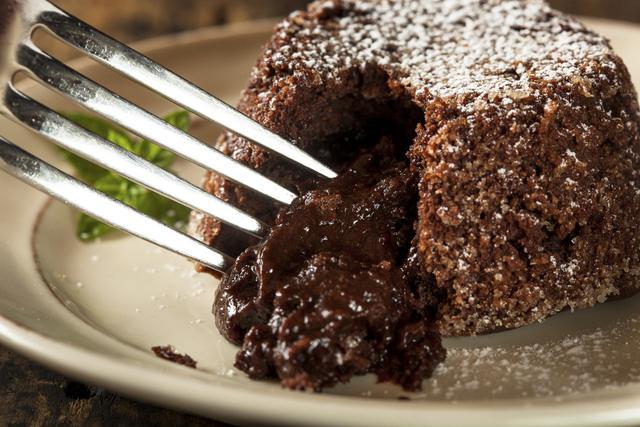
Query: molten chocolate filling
(335, 290)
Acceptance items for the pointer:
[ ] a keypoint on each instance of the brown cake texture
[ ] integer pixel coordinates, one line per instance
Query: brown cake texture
(518, 129)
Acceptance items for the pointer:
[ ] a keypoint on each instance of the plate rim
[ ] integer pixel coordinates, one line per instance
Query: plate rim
(229, 402)
(223, 402)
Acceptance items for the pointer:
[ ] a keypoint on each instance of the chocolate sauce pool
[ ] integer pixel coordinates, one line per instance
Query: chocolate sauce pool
(334, 290)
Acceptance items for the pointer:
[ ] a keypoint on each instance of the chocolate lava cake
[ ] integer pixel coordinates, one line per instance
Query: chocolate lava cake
(488, 153)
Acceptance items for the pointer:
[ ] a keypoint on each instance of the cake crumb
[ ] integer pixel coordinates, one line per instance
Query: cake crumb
(168, 352)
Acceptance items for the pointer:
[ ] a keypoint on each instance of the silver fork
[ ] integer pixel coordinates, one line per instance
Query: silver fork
(20, 18)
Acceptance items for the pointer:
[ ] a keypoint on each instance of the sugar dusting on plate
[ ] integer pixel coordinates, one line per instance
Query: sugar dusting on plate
(602, 358)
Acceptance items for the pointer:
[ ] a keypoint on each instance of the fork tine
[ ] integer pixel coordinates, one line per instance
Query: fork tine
(157, 78)
(63, 132)
(48, 179)
(102, 101)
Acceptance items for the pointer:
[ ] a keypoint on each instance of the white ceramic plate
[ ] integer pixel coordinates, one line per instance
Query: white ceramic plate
(94, 311)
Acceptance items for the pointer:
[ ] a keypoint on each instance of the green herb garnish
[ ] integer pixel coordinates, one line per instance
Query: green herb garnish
(111, 184)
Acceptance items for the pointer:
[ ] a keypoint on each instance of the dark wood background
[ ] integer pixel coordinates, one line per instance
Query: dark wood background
(34, 396)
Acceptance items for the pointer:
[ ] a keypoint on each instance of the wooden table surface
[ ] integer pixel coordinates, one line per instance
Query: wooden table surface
(34, 396)
(31, 395)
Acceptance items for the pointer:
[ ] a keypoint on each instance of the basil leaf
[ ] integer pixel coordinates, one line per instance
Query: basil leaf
(117, 187)
(90, 228)
(158, 207)
(179, 119)
(102, 128)
(86, 170)
(161, 208)
(157, 155)
(112, 185)
(172, 214)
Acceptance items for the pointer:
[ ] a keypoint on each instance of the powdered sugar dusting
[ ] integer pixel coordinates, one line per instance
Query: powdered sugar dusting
(576, 363)
(442, 47)
(574, 353)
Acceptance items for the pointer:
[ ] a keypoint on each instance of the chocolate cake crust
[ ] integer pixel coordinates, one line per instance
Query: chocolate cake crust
(526, 145)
